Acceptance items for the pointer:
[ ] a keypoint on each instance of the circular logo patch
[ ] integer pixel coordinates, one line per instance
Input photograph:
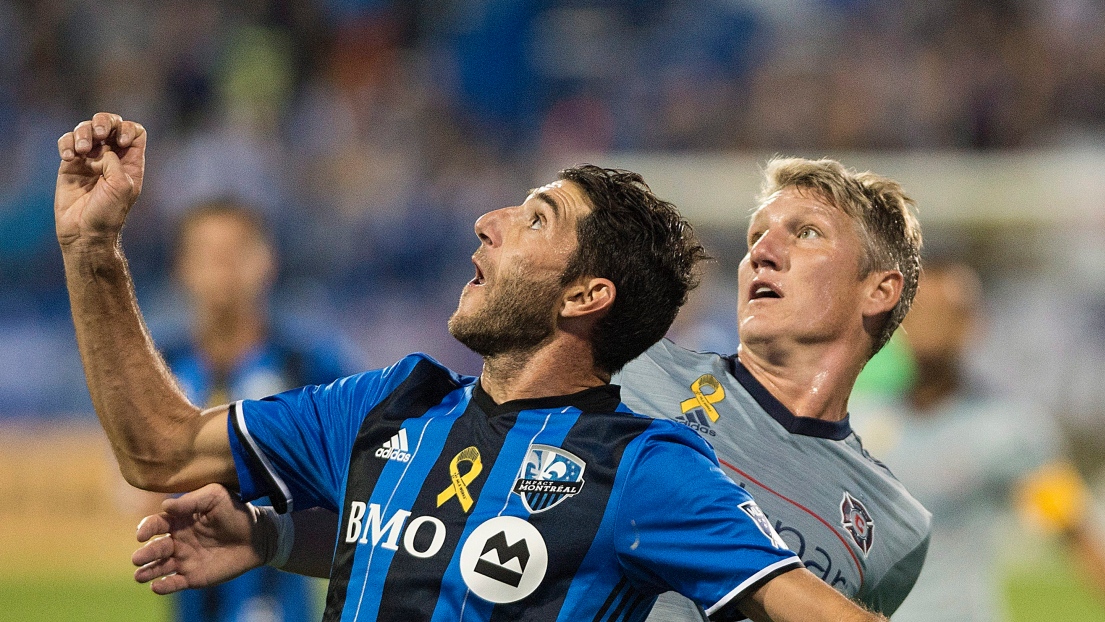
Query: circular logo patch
(504, 560)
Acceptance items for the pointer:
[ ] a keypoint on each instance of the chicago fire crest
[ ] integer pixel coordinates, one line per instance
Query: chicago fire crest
(857, 520)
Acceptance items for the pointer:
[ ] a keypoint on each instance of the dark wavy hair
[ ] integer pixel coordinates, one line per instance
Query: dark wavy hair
(642, 244)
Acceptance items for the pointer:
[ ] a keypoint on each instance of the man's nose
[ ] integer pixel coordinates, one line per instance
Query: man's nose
(769, 251)
(489, 227)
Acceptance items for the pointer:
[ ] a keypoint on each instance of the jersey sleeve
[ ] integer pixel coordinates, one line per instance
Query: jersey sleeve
(896, 584)
(686, 527)
(294, 447)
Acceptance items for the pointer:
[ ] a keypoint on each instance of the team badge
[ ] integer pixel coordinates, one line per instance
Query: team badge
(699, 412)
(757, 515)
(504, 560)
(857, 520)
(548, 476)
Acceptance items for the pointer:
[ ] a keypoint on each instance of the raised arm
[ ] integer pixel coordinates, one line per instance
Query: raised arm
(162, 441)
(799, 596)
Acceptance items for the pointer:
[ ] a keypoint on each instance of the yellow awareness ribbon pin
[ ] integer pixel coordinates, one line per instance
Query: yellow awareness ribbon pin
(705, 400)
(459, 488)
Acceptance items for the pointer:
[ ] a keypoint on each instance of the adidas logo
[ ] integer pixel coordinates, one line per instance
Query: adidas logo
(396, 448)
(697, 420)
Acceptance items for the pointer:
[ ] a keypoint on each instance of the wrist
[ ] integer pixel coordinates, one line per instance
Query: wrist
(277, 535)
(93, 246)
(93, 253)
(94, 259)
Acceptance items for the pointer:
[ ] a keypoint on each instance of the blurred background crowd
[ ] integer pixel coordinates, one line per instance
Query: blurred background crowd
(371, 133)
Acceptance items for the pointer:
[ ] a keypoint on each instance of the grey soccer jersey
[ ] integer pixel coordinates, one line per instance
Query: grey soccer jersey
(852, 523)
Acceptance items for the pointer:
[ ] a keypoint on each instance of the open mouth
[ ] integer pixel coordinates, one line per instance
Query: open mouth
(478, 279)
(760, 291)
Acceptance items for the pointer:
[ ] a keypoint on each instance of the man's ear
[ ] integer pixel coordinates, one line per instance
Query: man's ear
(589, 295)
(884, 292)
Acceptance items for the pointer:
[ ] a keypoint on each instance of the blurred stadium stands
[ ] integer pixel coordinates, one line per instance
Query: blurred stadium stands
(372, 132)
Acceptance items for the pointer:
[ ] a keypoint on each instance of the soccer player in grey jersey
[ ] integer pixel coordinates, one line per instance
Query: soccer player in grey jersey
(847, 517)
(832, 267)
(831, 270)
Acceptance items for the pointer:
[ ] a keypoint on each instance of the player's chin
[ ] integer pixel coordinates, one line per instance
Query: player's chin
(755, 328)
(469, 303)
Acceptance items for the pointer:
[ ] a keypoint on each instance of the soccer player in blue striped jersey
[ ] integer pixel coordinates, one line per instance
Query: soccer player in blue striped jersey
(529, 492)
(822, 241)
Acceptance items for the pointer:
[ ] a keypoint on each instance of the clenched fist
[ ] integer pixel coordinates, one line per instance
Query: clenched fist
(99, 179)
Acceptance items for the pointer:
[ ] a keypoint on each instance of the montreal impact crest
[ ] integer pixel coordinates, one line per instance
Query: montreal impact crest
(548, 476)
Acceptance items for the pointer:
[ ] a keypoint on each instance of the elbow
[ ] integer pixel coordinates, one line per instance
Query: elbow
(151, 473)
(143, 477)
(171, 457)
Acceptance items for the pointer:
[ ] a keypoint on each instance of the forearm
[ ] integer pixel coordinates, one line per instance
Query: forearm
(799, 596)
(149, 422)
(311, 536)
(313, 552)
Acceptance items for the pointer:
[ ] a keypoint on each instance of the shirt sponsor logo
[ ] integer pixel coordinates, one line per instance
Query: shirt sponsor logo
(367, 522)
(760, 519)
(698, 412)
(817, 548)
(504, 559)
(817, 559)
(857, 520)
(396, 448)
(548, 476)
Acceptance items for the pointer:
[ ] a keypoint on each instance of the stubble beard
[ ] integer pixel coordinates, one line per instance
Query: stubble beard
(517, 317)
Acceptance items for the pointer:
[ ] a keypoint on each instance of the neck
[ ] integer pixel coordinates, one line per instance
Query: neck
(810, 381)
(561, 366)
(225, 337)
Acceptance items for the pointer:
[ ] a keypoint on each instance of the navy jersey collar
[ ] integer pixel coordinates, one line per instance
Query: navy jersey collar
(605, 398)
(806, 426)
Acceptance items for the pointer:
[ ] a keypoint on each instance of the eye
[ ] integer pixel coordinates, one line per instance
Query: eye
(808, 233)
(537, 222)
(753, 237)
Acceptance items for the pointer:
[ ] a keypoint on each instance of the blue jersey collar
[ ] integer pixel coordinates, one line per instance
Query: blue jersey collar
(605, 398)
(806, 426)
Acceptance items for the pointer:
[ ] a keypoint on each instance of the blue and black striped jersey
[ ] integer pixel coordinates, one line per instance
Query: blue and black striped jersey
(455, 508)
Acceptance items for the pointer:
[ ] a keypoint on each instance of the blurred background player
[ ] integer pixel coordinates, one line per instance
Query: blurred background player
(969, 457)
(235, 349)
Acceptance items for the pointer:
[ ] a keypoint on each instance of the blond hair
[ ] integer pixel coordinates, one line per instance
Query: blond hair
(883, 214)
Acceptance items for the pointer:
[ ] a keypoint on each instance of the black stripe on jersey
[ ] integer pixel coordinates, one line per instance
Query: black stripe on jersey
(622, 604)
(632, 604)
(425, 386)
(570, 527)
(619, 589)
(413, 585)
